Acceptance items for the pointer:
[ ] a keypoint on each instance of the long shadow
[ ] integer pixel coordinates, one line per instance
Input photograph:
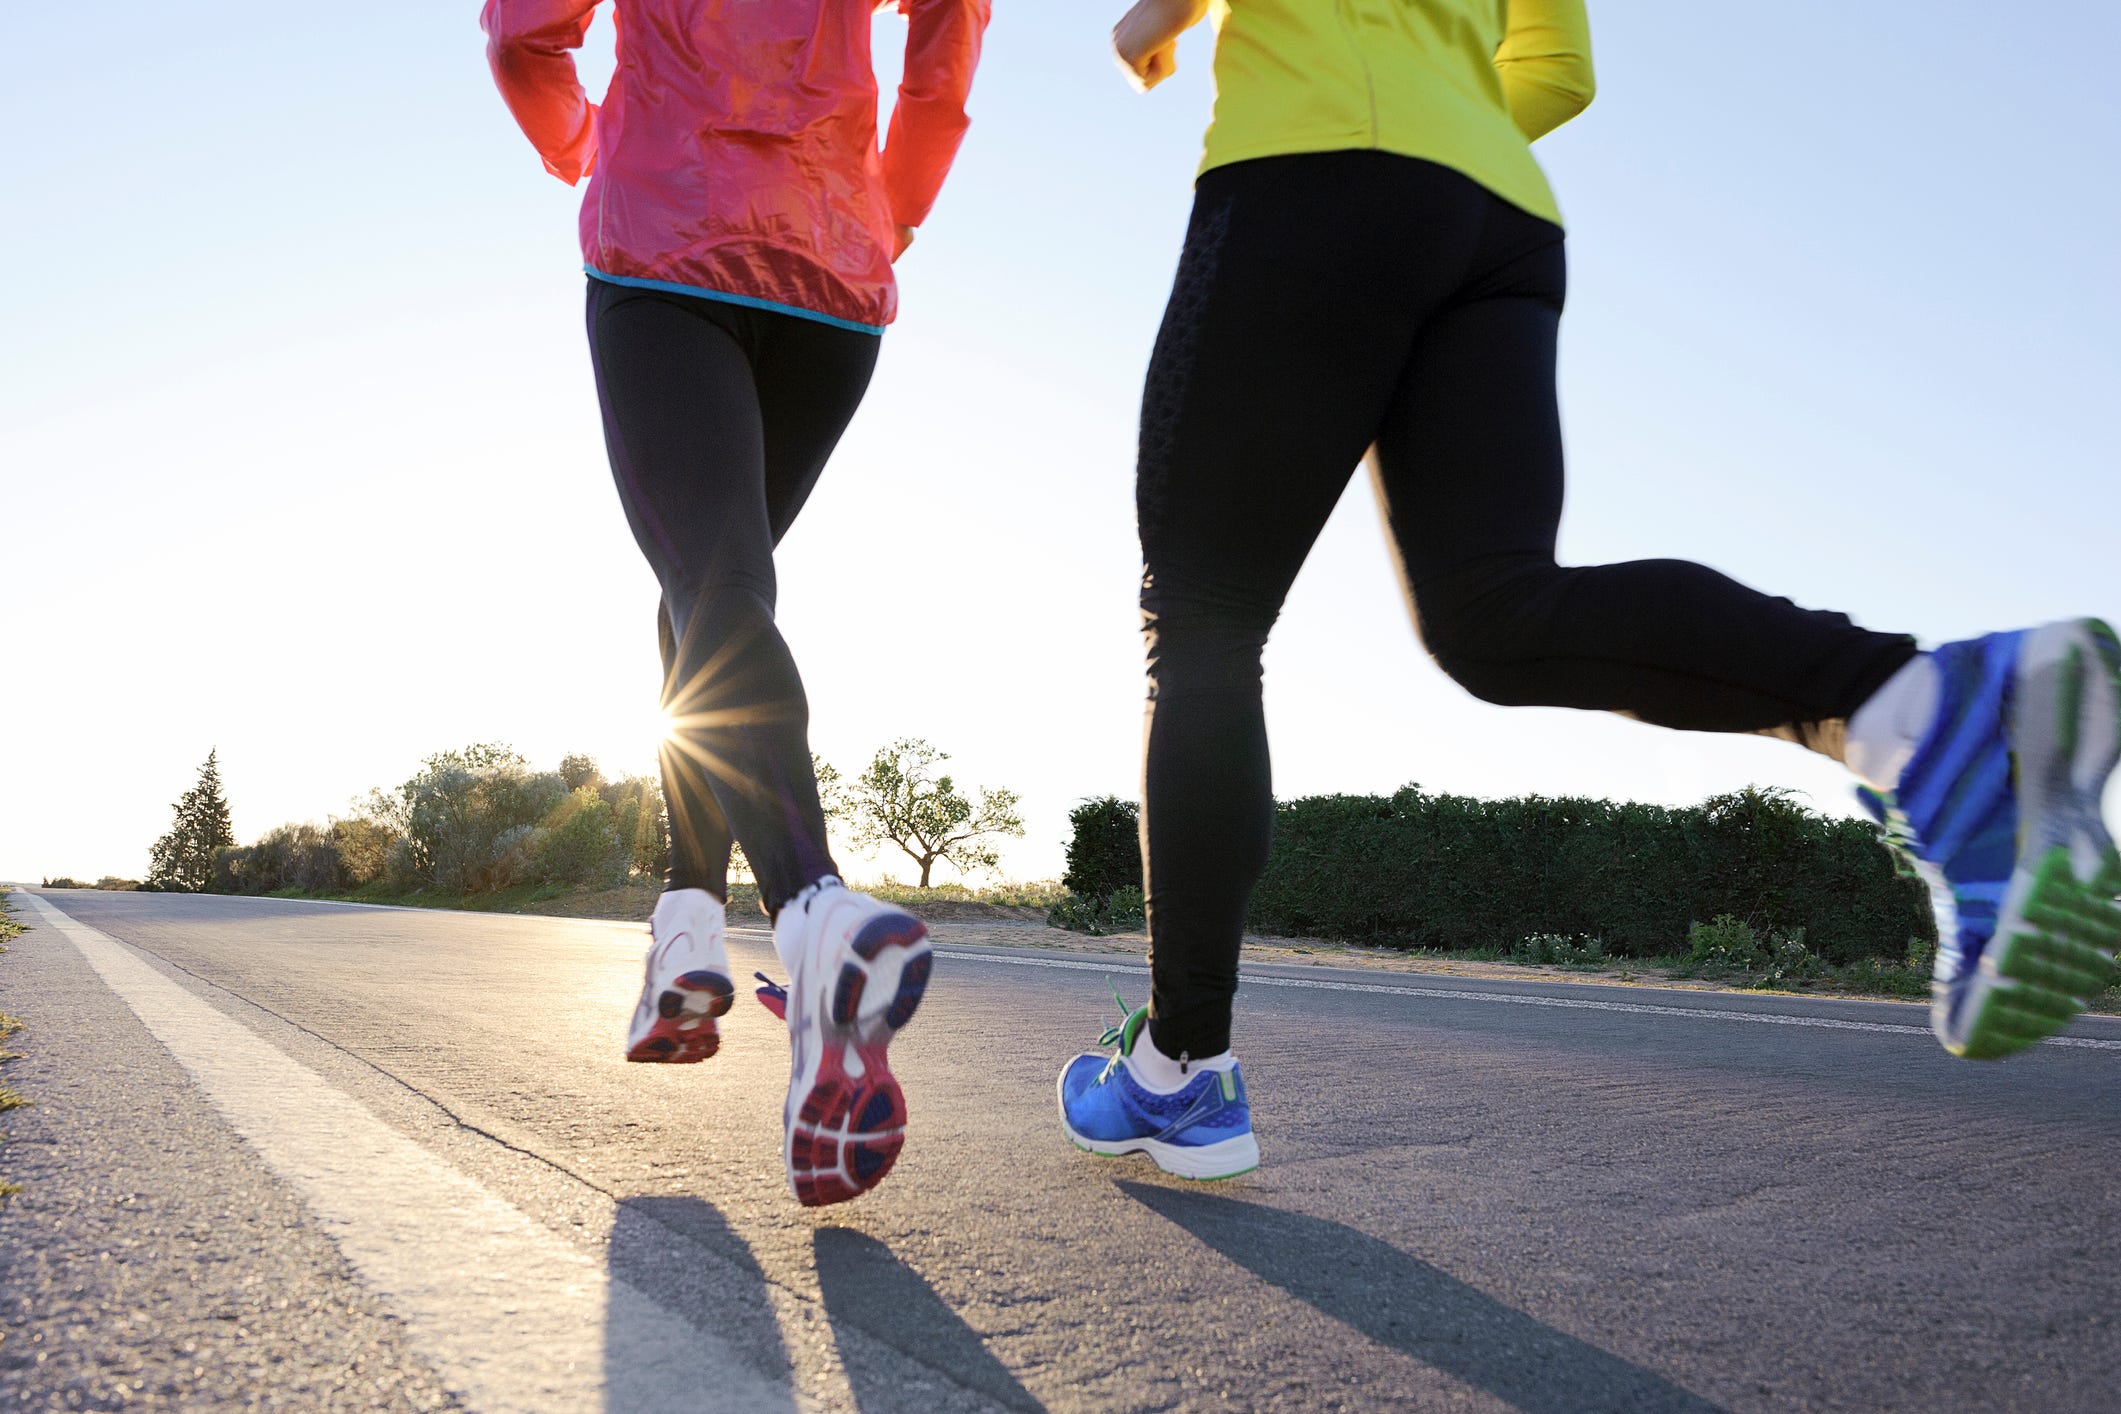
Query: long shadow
(682, 1255)
(1405, 1303)
(867, 1287)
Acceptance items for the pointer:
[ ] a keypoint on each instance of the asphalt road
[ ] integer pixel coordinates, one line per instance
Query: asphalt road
(277, 1147)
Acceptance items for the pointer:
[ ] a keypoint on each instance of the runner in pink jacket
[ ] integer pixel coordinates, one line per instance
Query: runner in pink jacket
(738, 233)
(736, 152)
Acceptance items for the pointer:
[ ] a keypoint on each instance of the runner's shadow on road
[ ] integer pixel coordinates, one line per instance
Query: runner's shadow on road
(869, 1289)
(1403, 1302)
(682, 1254)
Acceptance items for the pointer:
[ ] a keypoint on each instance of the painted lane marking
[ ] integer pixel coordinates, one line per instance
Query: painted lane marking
(1761, 1018)
(510, 1316)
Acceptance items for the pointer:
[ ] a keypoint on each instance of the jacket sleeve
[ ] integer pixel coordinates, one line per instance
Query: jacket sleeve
(929, 121)
(1545, 62)
(528, 44)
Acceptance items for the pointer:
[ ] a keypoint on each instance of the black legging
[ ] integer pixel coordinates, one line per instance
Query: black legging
(1327, 304)
(718, 419)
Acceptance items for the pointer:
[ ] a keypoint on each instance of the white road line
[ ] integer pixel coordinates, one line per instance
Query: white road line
(511, 1316)
(1762, 1018)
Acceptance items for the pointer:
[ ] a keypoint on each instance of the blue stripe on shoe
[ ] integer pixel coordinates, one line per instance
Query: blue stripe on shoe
(1958, 795)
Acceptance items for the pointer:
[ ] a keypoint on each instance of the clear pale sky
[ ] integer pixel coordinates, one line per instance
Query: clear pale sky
(301, 458)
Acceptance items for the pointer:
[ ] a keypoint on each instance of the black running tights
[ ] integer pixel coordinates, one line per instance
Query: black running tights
(1331, 304)
(718, 420)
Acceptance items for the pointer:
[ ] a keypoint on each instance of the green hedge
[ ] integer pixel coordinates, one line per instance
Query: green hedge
(1454, 872)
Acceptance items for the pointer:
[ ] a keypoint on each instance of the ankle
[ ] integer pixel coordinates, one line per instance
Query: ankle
(687, 901)
(1885, 732)
(790, 937)
(1165, 1074)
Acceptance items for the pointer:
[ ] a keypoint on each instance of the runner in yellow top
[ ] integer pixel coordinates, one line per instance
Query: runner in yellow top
(1451, 81)
(1374, 263)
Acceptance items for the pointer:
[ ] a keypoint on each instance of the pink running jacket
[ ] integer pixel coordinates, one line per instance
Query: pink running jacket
(735, 155)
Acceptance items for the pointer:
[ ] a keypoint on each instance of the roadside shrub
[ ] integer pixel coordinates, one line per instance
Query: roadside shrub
(364, 847)
(63, 882)
(1730, 944)
(1104, 847)
(467, 820)
(639, 821)
(299, 857)
(580, 843)
(114, 884)
(1120, 911)
(1554, 950)
(1727, 942)
(579, 772)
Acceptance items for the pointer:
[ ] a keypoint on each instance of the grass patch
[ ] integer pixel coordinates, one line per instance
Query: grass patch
(1043, 893)
(633, 900)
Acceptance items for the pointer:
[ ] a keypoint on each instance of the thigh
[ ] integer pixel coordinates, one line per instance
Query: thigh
(1469, 460)
(811, 378)
(1298, 295)
(683, 428)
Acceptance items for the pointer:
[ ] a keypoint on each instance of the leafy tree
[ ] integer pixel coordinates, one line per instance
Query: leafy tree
(901, 799)
(183, 860)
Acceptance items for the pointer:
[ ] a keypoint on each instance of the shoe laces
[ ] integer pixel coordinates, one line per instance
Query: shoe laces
(1114, 1034)
(1123, 1036)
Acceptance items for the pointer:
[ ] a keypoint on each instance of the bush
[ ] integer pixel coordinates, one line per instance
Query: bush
(1120, 911)
(1456, 873)
(1552, 949)
(1789, 960)
(467, 821)
(639, 821)
(364, 847)
(1104, 848)
(299, 857)
(1726, 943)
(1730, 945)
(579, 843)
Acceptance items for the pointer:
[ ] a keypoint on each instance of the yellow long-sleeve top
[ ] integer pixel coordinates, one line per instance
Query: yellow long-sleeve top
(1465, 83)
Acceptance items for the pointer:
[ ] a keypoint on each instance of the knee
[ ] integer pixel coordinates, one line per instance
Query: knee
(1483, 623)
(1200, 642)
(694, 606)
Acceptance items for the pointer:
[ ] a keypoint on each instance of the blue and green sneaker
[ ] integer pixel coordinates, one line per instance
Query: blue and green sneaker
(1201, 1131)
(1999, 811)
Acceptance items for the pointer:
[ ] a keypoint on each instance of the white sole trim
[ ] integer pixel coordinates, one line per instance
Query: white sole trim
(1226, 1159)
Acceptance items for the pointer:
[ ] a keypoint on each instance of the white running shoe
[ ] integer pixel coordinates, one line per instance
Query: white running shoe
(857, 970)
(687, 983)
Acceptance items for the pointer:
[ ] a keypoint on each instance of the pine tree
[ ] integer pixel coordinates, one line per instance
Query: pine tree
(183, 860)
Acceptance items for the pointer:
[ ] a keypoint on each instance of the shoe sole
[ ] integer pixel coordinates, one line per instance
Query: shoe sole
(845, 1119)
(1207, 1163)
(684, 1032)
(2059, 926)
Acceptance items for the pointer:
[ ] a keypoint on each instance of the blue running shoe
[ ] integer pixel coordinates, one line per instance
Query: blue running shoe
(1999, 809)
(1202, 1131)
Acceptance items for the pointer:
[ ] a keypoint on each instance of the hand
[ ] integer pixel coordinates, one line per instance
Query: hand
(1145, 41)
(1151, 69)
(905, 239)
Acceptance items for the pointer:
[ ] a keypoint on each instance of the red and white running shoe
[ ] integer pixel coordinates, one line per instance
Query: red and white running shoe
(857, 970)
(687, 984)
